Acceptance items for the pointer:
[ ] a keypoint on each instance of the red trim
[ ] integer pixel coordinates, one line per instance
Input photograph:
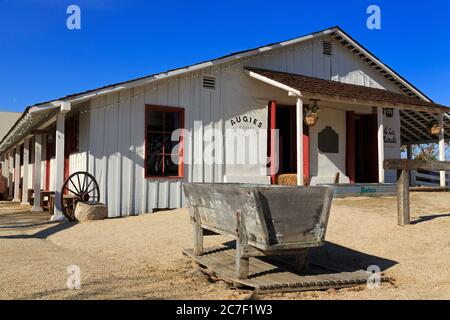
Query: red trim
(305, 151)
(181, 152)
(350, 149)
(271, 135)
(47, 175)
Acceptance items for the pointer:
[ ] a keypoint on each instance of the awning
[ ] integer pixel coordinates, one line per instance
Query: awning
(415, 113)
(31, 118)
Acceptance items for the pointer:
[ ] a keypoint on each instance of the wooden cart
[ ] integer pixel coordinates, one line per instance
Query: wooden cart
(264, 220)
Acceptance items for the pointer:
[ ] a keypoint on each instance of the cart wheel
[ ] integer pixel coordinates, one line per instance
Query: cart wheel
(83, 187)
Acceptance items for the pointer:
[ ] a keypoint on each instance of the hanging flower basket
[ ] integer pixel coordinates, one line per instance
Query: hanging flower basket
(311, 113)
(311, 119)
(435, 129)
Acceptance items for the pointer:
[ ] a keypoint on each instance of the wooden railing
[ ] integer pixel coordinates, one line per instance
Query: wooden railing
(406, 166)
(427, 178)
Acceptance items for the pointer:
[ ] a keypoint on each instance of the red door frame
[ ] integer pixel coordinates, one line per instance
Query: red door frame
(271, 143)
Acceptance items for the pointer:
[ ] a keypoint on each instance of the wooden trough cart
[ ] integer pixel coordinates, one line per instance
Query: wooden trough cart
(264, 220)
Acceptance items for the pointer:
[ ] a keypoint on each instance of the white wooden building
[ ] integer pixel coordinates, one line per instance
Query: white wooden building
(367, 111)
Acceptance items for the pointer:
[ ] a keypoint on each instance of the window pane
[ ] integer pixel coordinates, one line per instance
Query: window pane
(171, 169)
(154, 143)
(154, 165)
(169, 145)
(172, 121)
(155, 120)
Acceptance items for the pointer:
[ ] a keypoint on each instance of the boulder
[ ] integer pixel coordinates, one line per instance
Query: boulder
(90, 212)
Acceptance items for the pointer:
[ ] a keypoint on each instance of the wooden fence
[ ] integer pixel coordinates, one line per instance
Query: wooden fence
(427, 178)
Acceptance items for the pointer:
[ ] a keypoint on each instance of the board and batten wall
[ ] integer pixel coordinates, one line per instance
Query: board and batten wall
(112, 127)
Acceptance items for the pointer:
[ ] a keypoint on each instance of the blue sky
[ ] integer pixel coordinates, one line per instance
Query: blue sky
(40, 59)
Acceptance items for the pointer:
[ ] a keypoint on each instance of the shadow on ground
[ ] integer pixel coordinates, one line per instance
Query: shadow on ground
(331, 258)
(422, 219)
(55, 227)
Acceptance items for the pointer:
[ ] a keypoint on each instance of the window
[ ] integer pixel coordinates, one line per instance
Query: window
(163, 157)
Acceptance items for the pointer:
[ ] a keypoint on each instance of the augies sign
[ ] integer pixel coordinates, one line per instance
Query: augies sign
(245, 120)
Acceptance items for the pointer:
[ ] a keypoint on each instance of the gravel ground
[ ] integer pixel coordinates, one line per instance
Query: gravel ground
(140, 257)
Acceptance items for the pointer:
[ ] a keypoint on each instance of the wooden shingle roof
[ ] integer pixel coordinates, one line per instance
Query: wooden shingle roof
(333, 89)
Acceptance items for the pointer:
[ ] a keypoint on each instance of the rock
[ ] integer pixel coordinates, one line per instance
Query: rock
(90, 212)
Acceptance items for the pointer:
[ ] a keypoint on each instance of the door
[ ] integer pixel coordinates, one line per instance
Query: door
(366, 148)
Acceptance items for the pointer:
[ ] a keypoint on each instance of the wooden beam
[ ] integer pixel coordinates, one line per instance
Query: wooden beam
(418, 123)
(403, 210)
(36, 132)
(198, 232)
(242, 261)
(402, 127)
(372, 103)
(404, 164)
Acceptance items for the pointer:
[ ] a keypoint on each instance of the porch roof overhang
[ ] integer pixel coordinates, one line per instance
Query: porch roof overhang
(415, 113)
(32, 117)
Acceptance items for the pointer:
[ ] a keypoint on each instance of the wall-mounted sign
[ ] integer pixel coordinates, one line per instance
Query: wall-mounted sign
(328, 140)
(245, 122)
(390, 137)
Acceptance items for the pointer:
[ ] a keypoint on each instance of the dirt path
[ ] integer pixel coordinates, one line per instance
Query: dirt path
(140, 257)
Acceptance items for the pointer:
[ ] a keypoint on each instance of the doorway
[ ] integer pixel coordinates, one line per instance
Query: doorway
(283, 118)
(362, 148)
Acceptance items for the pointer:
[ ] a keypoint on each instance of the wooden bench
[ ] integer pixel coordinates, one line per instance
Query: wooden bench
(264, 220)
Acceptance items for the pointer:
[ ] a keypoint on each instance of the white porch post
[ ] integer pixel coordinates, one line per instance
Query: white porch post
(17, 173)
(299, 121)
(26, 161)
(442, 147)
(37, 205)
(10, 174)
(380, 117)
(59, 160)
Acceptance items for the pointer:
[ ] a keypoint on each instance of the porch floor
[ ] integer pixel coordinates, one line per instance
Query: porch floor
(363, 189)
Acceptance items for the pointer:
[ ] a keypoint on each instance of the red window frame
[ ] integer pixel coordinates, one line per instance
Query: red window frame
(165, 109)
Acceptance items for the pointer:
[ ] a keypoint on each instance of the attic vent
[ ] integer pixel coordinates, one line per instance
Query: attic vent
(327, 48)
(209, 82)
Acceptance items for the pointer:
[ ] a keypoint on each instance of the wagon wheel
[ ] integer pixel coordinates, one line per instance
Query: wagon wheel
(83, 187)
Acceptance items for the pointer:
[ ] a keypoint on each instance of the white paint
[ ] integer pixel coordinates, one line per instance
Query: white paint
(26, 160)
(380, 141)
(37, 205)
(392, 141)
(299, 124)
(442, 148)
(59, 167)
(11, 173)
(17, 174)
(273, 82)
(112, 133)
(324, 166)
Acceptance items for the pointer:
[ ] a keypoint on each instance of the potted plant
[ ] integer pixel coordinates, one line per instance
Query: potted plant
(311, 114)
(434, 128)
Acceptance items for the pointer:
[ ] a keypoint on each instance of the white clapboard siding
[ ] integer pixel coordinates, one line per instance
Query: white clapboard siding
(112, 130)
